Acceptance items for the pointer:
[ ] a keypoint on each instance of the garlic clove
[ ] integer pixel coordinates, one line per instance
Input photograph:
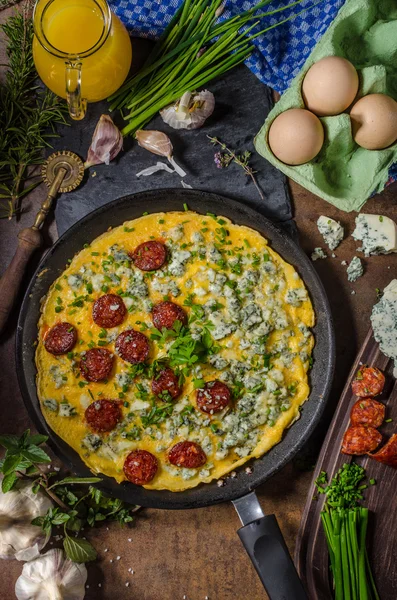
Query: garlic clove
(18, 537)
(200, 107)
(156, 142)
(51, 576)
(106, 143)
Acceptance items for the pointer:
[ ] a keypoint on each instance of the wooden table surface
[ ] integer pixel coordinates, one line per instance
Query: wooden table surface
(196, 554)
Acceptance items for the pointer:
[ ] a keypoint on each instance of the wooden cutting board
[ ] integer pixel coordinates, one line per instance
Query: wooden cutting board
(311, 556)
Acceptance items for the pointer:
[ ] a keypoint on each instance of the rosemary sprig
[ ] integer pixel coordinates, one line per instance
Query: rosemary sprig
(240, 159)
(28, 115)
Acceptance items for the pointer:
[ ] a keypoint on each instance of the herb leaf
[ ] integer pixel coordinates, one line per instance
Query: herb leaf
(79, 550)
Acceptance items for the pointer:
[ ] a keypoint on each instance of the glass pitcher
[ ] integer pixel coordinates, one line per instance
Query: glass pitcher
(81, 50)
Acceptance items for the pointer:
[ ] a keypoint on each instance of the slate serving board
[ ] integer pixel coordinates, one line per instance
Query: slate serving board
(311, 554)
(242, 104)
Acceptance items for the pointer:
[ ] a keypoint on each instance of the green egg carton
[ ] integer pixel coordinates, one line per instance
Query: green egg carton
(364, 32)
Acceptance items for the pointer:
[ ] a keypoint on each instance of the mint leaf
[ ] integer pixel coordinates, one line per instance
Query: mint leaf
(11, 442)
(8, 482)
(35, 454)
(79, 550)
(37, 439)
(11, 463)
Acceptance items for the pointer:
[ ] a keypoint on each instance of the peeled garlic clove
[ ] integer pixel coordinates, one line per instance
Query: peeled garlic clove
(182, 107)
(156, 142)
(51, 576)
(106, 143)
(201, 106)
(18, 537)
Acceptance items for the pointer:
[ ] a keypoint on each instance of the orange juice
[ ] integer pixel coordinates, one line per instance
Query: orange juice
(82, 31)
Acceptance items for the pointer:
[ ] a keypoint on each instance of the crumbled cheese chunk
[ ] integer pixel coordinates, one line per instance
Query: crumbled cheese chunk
(355, 269)
(318, 253)
(331, 230)
(377, 233)
(384, 322)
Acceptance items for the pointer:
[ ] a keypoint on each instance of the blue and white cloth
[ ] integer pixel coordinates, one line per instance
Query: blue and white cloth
(280, 52)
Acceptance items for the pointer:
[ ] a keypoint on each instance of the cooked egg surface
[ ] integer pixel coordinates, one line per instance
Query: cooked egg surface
(330, 86)
(374, 121)
(246, 306)
(296, 136)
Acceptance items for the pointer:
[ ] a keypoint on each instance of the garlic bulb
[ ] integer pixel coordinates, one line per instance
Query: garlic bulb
(190, 112)
(51, 576)
(106, 143)
(18, 538)
(158, 143)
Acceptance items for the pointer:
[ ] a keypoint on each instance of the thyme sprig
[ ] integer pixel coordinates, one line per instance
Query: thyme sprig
(242, 160)
(28, 116)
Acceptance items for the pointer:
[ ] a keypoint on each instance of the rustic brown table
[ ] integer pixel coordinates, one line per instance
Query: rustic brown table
(196, 554)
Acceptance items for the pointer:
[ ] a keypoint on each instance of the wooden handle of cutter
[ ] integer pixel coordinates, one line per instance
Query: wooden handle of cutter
(28, 241)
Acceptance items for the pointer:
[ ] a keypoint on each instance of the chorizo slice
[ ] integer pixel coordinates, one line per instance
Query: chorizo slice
(96, 364)
(388, 453)
(166, 385)
(60, 339)
(360, 439)
(149, 256)
(369, 381)
(140, 467)
(165, 314)
(109, 311)
(103, 415)
(189, 455)
(213, 397)
(367, 411)
(132, 346)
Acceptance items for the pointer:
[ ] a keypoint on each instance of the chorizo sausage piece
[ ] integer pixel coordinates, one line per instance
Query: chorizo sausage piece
(140, 467)
(60, 339)
(189, 455)
(388, 453)
(149, 256)
(96, 364)
(213, 397)
(166, 313)
(367, 411)
(360, 439)
(109, 311)
(369, 381)
(166, 385)
(103, 415)
(132, 346)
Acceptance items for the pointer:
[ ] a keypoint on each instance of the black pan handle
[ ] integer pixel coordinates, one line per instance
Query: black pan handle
(265, 545)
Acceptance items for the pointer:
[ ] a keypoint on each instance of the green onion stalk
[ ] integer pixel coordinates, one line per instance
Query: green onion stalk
(194, 49)
(345, 525)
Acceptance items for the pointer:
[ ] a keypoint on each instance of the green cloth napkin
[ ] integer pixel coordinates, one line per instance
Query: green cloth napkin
(364, 32)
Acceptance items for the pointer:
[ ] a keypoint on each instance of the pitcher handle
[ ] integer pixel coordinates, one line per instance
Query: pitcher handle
(77, 105)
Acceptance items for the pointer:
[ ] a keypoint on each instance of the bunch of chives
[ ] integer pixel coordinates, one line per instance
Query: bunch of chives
(193, 50)
(345, 526)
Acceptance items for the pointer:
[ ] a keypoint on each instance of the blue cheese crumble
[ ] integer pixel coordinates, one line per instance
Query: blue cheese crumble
(355, 269)
(318, 253)
(377, 233)
(384, 322)
(331, 230)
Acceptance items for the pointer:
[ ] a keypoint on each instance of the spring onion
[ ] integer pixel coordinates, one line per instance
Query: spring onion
(345, 525)
(193, 49)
